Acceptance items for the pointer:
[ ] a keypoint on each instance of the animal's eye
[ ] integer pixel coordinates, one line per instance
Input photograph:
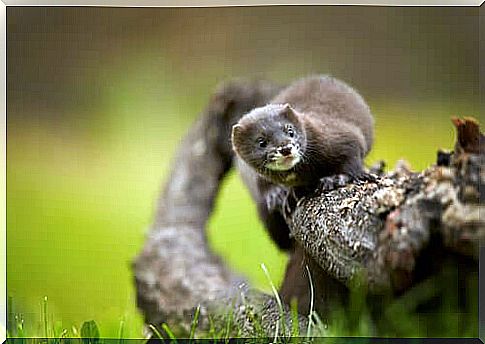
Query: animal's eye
(262, 142)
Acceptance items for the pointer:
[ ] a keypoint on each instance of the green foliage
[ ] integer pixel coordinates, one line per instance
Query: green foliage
(90, 332)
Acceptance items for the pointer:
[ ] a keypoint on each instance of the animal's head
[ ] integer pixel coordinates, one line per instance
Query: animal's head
(270, 138)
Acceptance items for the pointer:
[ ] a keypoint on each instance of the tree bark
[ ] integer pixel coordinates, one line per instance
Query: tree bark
(371, 233)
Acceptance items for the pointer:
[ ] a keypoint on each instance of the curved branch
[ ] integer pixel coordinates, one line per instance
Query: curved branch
(176, 271)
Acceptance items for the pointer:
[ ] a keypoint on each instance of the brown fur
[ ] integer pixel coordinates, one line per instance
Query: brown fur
(333, 132)
(325, 100)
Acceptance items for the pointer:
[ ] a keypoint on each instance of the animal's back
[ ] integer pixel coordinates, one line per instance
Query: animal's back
(330, 99)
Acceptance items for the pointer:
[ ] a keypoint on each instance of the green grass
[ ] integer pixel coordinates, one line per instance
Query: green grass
(80, 201)
(399, 318)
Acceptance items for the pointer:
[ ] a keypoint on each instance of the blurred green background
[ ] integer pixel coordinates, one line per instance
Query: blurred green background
(98, 99)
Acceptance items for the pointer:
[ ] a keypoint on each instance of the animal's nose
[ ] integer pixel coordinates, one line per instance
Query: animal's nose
(285, 151)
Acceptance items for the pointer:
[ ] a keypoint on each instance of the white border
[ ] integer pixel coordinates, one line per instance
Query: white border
(3, 175)
(219, 3)
(128, 3)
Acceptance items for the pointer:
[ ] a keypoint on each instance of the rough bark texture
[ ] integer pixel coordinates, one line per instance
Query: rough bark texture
(370, 232)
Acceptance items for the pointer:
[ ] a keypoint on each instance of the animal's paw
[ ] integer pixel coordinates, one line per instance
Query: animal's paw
(331, 183)
(366, 177)
(276, 198)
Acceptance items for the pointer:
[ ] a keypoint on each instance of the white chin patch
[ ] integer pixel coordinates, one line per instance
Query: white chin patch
(283, 163)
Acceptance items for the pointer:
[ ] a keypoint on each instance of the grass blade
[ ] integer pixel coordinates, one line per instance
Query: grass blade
(195, 322)
(120, 330)
(10, 318)
(44, 313)
(157, 333)
(276, 331)
(75, 332)
(228, 326)
(295, 324)
(312, 297)
(19, 325)
(277, 297)
(169, 332)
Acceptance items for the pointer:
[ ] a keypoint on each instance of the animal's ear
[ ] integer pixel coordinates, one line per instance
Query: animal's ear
(236, 131)
(289, 113)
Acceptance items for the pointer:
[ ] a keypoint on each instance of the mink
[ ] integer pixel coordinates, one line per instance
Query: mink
(315, 128)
